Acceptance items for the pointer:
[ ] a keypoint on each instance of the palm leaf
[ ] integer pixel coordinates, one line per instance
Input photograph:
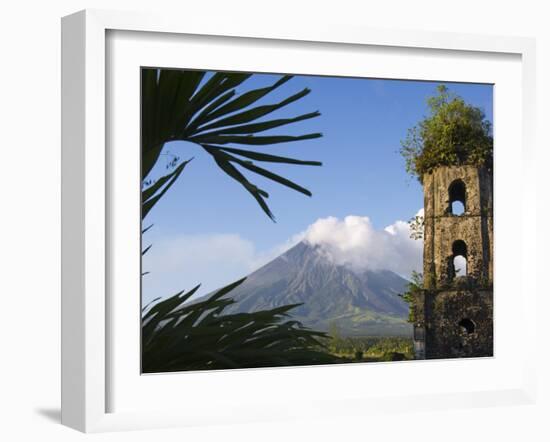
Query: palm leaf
(247, 98)
(189, 105)
(147, 228)
(256, 192)
(250, 139)
(253, 168)
(255, 113)
(151, 195)
(179, 335)
(263, 126)
(258, 156)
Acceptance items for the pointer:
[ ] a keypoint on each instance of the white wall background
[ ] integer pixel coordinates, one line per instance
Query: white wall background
(30, 219)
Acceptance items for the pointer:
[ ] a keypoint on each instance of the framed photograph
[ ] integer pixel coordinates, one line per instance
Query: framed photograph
(292, 222)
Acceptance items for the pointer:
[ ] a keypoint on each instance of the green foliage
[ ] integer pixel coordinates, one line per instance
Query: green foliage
(337, 343)
(371, 348)
(180, 105)
(414, 287)
(198, 336)
(393, 356)
(454, 133)
(416, 227)
(185, 105)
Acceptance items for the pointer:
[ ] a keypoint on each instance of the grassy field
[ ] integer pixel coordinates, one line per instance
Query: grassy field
(372, 348)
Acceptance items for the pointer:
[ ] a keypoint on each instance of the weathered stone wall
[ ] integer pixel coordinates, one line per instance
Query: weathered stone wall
(479, 190)
(442, 228)
(448, 302)
(473, 230)
(459, 323)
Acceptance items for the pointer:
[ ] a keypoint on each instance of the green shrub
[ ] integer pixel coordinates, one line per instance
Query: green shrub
(455, 133)
(413, 289)
(393, 356)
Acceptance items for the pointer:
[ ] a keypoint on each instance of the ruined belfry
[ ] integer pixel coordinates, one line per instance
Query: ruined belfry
(453, 314)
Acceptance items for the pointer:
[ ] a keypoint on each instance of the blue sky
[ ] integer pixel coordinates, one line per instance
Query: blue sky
(363, 174)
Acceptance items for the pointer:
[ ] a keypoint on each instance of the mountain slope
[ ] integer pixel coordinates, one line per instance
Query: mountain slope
(358, 303)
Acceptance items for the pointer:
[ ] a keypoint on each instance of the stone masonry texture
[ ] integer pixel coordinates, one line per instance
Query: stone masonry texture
(456, 313)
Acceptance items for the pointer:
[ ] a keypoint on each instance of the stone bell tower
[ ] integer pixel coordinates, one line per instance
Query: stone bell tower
(454, 312)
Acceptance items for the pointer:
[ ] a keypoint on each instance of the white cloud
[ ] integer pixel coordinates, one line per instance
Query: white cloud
(214, 260)
(353, 241)
(184, 261)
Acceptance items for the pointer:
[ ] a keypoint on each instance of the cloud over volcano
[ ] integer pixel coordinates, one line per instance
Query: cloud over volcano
(354, 241)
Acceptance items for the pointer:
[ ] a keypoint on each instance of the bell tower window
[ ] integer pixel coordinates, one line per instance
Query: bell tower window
(467, 325)
(459, 258)
(457, 197)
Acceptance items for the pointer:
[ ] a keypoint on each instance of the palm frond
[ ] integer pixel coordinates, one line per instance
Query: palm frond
(259, 170)
(203, 108)
(180, 336)
(152, 194)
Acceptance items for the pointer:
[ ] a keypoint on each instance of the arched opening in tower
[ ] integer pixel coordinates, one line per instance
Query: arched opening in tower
(459, 263)
(460, 252)
(467, 325)
(457, 197)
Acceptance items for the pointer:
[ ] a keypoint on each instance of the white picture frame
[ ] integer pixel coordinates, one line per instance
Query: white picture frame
(88, 319)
